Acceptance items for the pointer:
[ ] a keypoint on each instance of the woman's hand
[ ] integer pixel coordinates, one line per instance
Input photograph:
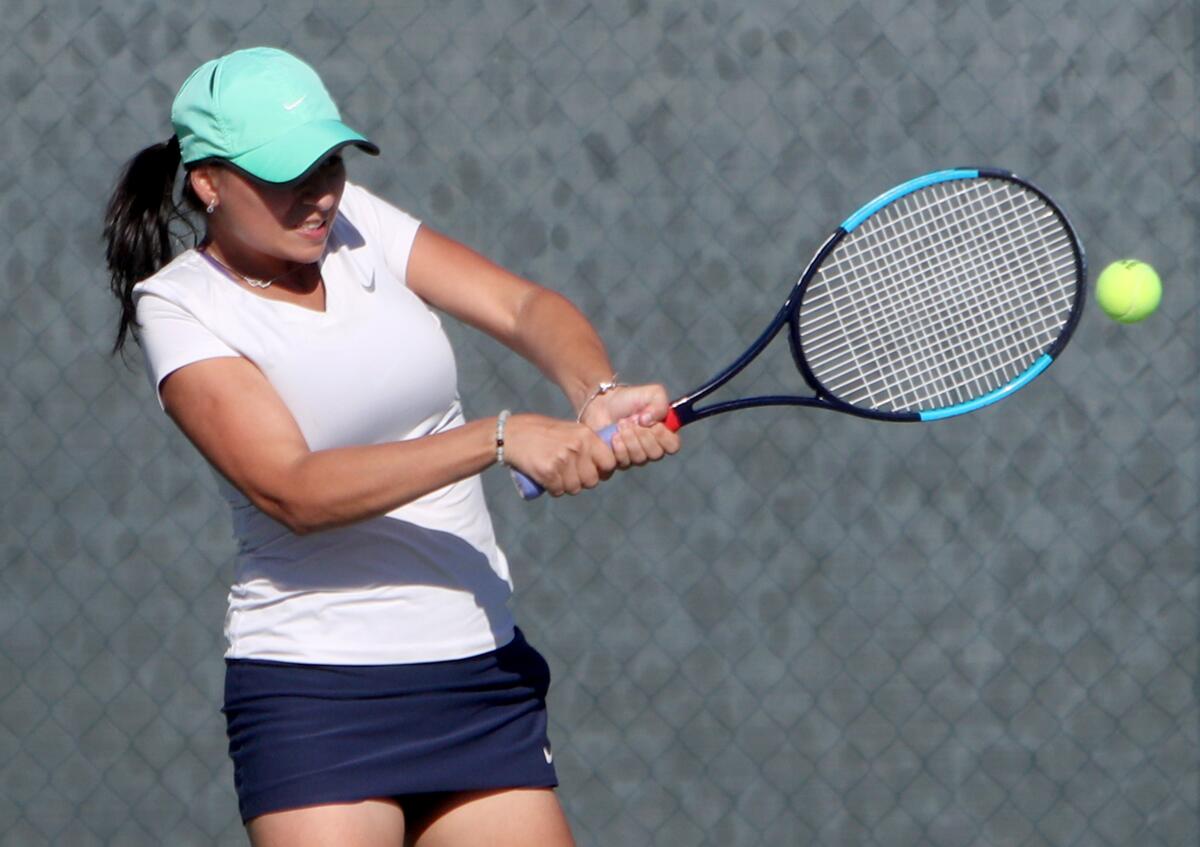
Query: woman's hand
(561, 456)
(638, 412)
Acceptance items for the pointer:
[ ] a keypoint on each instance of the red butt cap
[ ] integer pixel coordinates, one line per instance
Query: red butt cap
(672, 422)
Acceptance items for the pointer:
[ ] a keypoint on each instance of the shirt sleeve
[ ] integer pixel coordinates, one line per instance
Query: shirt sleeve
(390, 229)
(170, 337)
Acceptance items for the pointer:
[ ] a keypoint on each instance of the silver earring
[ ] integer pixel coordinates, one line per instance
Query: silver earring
(212, 206)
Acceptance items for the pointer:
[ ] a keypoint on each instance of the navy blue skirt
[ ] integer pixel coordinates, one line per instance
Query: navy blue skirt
(303, 734)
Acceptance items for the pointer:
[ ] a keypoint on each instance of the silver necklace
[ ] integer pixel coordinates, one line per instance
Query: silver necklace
(249, 280)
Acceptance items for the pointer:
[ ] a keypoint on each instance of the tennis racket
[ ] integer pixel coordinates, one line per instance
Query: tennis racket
(940, 297)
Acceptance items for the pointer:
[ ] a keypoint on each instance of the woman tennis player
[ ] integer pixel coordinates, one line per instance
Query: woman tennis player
(377, 691)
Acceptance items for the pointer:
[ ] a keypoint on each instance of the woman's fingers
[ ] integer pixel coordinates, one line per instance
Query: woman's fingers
(561, 456)
(634, 444)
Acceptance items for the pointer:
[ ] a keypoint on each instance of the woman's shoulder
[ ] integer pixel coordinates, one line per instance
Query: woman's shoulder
(356, 202)
(186, 281)
(356, 197)
(365, 209)
(182, 271)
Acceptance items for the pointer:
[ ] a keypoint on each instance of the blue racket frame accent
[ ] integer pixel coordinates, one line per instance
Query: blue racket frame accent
(899, 191)
(991, 397)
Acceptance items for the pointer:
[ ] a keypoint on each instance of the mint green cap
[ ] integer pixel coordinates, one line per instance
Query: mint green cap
(264, 111)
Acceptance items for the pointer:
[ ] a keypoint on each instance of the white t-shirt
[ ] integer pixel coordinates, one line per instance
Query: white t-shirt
(425, 582)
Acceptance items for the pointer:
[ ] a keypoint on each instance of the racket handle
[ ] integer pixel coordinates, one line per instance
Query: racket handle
(530, 490)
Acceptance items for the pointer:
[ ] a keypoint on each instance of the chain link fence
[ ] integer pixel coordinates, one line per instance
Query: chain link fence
(808, 629)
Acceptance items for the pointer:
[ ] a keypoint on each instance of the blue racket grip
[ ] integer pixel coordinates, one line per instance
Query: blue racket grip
(530, 490)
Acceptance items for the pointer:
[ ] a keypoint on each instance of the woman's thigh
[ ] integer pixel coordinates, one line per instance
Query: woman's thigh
(514, 817)
(369, 823)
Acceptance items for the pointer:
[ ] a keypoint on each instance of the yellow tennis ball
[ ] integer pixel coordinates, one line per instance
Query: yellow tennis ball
(1128, 290)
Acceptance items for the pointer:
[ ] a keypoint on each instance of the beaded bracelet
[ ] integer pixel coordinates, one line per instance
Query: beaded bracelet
(501, 420)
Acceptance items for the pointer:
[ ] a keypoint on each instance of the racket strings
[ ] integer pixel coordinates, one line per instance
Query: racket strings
(926, 368)
(946, 295)
(926, 311)
(913, 360)
(983, 363)
(988, 311)
(920, 308)
(998, 354)
(901, 294)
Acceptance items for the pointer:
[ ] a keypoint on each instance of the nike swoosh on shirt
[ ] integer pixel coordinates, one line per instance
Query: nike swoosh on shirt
(369, 284)
(289, 106)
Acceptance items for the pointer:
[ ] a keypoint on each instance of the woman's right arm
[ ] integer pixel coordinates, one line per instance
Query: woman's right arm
(232, 414)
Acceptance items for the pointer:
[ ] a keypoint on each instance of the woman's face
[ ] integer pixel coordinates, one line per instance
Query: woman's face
(261, 228)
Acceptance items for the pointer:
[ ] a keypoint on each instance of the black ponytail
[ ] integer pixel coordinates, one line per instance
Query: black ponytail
(137, 224)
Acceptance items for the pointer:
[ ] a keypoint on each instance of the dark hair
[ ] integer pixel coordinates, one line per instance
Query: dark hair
(137, 224)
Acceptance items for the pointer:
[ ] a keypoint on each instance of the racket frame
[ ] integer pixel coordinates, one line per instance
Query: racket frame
(684, 410)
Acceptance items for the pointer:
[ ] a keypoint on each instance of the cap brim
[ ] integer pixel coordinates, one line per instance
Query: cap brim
(291, 156)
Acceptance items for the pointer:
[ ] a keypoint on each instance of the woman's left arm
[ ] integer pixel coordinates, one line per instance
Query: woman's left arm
(548, 330)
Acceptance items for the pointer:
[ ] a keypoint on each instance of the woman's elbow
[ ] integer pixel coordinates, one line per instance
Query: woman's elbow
(297, 514)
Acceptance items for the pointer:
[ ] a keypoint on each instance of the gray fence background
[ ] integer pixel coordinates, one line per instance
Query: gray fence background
(807, 629)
